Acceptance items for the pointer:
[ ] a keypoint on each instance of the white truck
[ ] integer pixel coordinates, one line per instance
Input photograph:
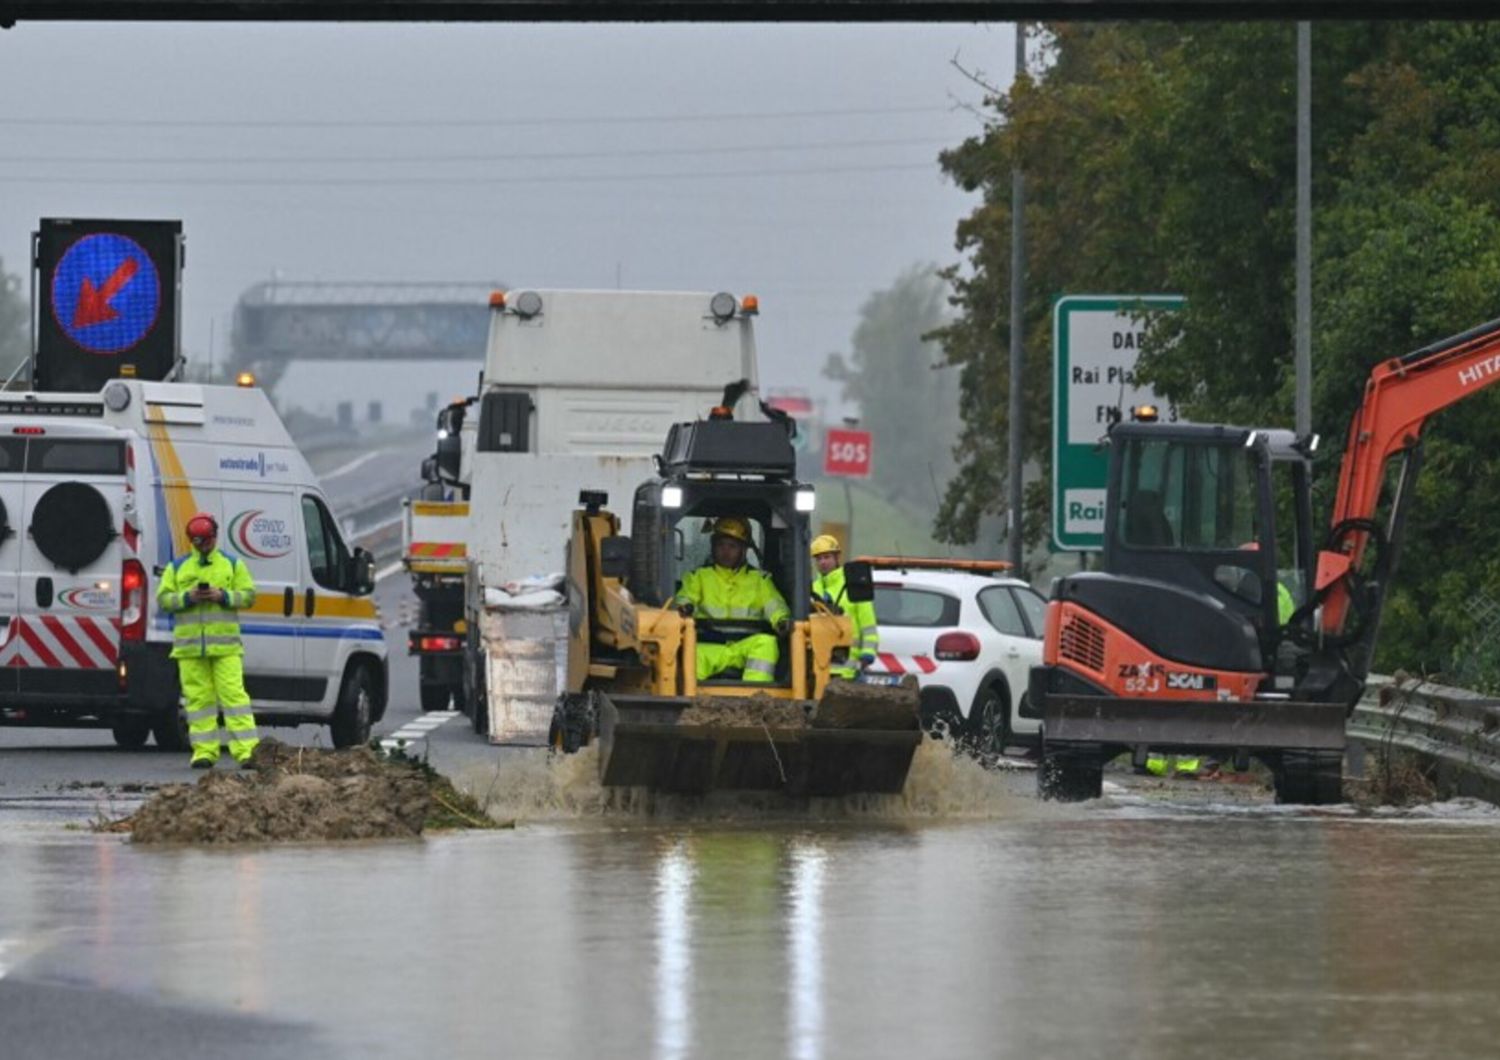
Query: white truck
(578, 392)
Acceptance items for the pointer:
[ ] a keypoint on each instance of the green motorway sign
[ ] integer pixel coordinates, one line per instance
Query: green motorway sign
(1095, 341)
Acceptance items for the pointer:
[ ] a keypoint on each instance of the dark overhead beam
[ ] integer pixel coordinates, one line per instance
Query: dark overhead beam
(13, 11)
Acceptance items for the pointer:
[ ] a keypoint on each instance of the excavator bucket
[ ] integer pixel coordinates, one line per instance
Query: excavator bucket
(856, 739)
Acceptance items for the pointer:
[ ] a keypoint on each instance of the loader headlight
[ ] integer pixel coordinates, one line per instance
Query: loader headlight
(671, 496)
(807, 500)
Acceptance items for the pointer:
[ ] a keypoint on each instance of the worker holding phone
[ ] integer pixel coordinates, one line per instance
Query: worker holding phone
(204, 591)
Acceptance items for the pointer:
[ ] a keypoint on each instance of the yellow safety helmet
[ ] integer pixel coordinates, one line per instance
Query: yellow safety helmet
(825, 543)
(732, 526)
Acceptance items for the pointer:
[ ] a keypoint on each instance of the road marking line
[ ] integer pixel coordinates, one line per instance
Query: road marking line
(357, 462)
(413, 731)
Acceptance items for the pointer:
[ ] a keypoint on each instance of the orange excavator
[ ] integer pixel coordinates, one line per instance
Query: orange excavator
(1218, 625)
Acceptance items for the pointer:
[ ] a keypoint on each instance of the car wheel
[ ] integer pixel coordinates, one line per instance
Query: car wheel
(131, 732)
(989, 722)
(352, 715)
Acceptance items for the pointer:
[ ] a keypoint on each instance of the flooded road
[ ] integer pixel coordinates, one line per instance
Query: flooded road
(1173, 924)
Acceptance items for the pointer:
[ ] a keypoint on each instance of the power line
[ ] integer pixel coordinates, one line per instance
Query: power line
(592, 178)
(453, 123)
(540, 156)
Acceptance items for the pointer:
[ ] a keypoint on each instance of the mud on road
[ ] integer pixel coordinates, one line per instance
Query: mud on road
(305, 794)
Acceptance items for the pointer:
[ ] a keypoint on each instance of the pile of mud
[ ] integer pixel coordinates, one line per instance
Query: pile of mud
(845, 705)
(744, 711)
(305, 794)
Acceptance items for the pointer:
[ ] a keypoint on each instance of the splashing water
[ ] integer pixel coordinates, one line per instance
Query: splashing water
(538, 786)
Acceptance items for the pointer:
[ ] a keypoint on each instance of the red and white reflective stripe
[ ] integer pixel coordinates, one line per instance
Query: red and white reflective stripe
(908, 664)
(128, 531)
(62, 642)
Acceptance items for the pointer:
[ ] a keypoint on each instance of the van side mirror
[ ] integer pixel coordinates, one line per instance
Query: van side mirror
(364, 572)
(614, 557)
(859, 582)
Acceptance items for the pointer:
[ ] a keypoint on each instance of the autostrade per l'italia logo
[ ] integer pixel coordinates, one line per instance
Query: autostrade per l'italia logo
(261, 536)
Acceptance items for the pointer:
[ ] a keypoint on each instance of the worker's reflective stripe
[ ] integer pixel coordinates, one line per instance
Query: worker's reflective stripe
(712, 611)
(761, 666)
(230, 641)
(203, 618)
(868, 631)
(239, 712)
(199, 715)
(234, 736)
(211, 736)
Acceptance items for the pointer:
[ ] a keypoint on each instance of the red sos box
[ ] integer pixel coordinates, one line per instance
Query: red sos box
(847, 453)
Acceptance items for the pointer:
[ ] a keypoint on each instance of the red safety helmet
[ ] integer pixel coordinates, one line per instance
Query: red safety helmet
(203, 525)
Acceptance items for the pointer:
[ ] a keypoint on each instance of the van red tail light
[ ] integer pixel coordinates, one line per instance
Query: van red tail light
(133, 601)
(437, 643)
(956, 647)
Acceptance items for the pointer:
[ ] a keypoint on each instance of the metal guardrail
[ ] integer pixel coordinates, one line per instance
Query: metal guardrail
(1451, 734)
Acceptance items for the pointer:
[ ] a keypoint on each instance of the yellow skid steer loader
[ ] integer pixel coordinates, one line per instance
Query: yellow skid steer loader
(634, 680)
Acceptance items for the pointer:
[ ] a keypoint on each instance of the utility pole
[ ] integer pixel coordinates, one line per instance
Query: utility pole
(1017, 323)
(1304, 229)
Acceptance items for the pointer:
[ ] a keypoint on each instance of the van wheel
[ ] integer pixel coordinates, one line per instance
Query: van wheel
(131, 732)
(171, 731)
(350, 726)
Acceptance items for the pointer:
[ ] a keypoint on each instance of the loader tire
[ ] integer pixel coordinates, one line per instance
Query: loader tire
(572, 723)
(1069, 776)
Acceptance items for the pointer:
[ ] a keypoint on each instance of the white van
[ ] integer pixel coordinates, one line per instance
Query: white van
(95, 495)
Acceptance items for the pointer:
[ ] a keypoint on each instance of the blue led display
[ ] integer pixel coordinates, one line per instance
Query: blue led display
(106, 293)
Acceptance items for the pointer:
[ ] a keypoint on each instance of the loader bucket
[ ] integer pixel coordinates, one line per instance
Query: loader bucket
(681, 745)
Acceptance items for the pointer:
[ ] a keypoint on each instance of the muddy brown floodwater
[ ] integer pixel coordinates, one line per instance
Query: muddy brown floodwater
(961, 919)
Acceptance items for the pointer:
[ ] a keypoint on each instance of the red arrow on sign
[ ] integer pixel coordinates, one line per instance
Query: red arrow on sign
(93, 304)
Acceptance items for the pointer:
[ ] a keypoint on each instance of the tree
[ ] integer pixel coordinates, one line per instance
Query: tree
(905, 396)
(14, 322)
(1160, 159)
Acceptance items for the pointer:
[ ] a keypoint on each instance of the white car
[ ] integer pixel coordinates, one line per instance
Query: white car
(971, 636)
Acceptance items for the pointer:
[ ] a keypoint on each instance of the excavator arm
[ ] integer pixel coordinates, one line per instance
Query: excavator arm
(1400, 395)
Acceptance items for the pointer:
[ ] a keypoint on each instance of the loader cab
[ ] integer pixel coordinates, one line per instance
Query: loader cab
(672, 526)
(712, 468)
(1217, 511)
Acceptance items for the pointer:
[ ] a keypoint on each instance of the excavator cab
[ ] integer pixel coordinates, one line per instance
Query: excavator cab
(1223, 514)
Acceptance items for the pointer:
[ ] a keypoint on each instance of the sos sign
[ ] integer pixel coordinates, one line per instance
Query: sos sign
(847, 453)
(109, 293)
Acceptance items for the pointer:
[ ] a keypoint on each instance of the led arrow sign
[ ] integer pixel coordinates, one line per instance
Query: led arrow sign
(106, 293)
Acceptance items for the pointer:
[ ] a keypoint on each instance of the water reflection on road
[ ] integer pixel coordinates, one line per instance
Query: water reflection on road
(1113, 929)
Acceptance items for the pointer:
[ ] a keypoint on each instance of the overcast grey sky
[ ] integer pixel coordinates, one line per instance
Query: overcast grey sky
(537, 155)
